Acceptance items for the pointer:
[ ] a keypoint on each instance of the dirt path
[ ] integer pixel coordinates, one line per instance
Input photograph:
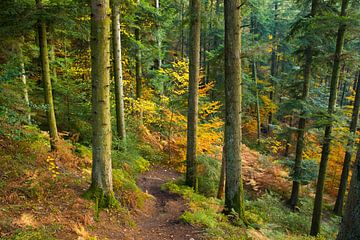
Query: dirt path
(160, 219)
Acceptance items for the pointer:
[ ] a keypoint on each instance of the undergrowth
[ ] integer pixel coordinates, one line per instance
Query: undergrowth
(268, 217)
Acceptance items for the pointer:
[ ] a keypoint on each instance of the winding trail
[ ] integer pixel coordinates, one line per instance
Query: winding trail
(160, 219)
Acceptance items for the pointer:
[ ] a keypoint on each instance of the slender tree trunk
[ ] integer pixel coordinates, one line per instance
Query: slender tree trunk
(221, 189)
(302, 121)
(138, 61)
(346, 166)
(158, 34)
(118, 76)
(350, 225)
(52, 58)
(258, 119)
(234, 193)
(316, 218)
(254, 76)
(101, 180)
(194, 75)
(182, 30)
(25, 87)
(45, 67)
(273, 62)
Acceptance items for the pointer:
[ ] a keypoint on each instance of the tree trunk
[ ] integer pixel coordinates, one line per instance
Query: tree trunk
(52, 58)
(221, 189)
(273, 62)
(118, 76)
(45, 69)
(254, 76)
(194, 75)
(346, 166)
(234, 193)
(315, 224)
(158, 34)
(25, 87)
(101, 180)
(350, 225)
(302, 121)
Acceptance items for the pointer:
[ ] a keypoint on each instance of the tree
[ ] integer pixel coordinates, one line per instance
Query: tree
(347, 160)
(302, 121)
(315, 224)
(234, 193)
(118, 76)
(45, 69)
(101, 179)
(194, 75)
(138, 61)
(350, 225)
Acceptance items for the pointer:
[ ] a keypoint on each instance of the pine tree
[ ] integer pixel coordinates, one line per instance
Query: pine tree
(45, 67)
(316, 218)
(194, 75)
(118, 75)
(234, 193)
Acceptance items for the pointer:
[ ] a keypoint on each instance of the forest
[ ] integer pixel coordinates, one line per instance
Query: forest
(176, 119)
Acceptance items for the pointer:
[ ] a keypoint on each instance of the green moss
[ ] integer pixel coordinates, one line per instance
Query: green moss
(101, 199)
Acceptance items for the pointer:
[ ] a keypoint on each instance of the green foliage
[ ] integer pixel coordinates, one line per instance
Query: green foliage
(309, 170)
(29, 233)
(208, 175)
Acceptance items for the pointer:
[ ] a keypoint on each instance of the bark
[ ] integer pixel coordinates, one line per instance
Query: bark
(118, 75)
(273, 62)
(234, 195)
(194, 75)
(350, 225)
(316, 218)
(346, 166)
(52, 58)
(158, 35)
(101, 180)
(45, 69)
(221, 189)
(300, 144)
(25, 87)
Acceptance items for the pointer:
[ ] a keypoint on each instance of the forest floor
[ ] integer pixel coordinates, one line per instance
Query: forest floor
(160, 218)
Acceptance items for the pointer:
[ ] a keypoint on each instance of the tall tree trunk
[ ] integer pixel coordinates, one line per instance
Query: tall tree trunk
(273, 69)
(316, 218)
(234, 193)
(118, 76)
(158, 34)
(138, 61)
(101, 180)
(254, 76)
(346, 166)
(258, 120)
(44, 58)
(24, 81)
(302, 121)
(194, 75)
(221, 189)
(350, 225)
(52, 58)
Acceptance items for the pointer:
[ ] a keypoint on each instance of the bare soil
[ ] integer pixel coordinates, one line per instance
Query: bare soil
(160, 218)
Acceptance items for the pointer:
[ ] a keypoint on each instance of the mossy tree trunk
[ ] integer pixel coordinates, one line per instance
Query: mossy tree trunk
(350, 225)
(234, 194)
(45, 69)
(118, 75)
(316, 218)
(300, 144)
(347, 160)
(194, 75)
(101, 180)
